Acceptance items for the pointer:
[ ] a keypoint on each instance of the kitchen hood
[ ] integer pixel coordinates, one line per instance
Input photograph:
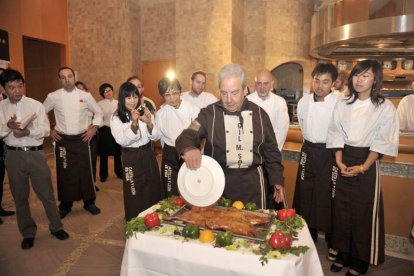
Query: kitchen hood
(352, 29)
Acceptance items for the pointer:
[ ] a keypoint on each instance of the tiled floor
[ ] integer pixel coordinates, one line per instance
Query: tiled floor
(97, 242)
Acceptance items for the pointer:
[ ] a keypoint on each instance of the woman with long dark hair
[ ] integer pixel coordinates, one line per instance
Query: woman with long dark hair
(364, 127)
(131, 126)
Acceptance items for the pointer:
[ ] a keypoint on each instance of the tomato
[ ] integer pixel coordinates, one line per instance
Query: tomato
(282, 214)
(276, 241)
(287, 242)
(178, 200)
(224, 238)
(225, 202)
(191, 231)
(151, 220)
(251, 206)
(290, 213)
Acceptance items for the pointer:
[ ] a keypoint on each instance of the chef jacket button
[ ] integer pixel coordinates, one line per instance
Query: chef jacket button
(251, 150)
(251, 131)
(227, 131)
(228, 151)
(250, 114)
(227, 166)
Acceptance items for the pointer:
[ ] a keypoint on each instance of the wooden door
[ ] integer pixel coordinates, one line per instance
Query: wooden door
(152, 72)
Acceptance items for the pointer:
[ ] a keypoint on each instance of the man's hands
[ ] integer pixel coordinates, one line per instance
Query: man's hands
(88, 135)
(55, 135)
(279, 193)
(18, 133)
(12, 123)
(192, 158)
(15, 127)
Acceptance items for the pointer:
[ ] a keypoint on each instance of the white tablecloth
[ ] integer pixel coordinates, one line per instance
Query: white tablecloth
(153, 254)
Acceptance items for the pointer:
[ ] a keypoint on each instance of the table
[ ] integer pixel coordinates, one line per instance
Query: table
(153, 254)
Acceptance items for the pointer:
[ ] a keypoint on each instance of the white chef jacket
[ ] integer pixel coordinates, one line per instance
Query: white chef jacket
(276, 107)
(71, 110)
(170, 122)
(39, 127)
(406, 112)
(314, 117)
(124, 135)
(108, 108)
(201, 101)
(362, 124)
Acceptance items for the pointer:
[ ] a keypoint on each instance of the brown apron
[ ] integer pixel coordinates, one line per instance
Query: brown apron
(73, 169)
(358, 214)
(312, 199)
(142, 185)
(169, 170)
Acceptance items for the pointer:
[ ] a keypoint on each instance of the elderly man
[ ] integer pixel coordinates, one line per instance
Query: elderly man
(72, 135)
(24, 125)
(197, 95)
(274, 105)
(240, 138)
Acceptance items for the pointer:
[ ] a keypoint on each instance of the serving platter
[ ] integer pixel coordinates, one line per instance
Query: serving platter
(260, 229)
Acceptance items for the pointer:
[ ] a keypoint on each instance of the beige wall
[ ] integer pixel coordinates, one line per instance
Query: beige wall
(198, 35)
(203, 38)
(104, 41)
(157, 30)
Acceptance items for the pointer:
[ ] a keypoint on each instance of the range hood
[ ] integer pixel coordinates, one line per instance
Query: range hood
(351, 29)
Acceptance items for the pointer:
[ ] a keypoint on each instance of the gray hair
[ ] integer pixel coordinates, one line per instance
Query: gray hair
(232, 70)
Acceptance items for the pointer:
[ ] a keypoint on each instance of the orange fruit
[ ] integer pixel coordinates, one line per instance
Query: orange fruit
(207, 236)
(238, 204)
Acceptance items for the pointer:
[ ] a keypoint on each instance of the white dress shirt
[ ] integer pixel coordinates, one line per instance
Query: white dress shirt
(202, 100)
(276, 107)
(406, 112)
(124, 135)
(108, 108)
(71, 110)
(170, 122)
(39, 127)
(362, 124)
(314, 117)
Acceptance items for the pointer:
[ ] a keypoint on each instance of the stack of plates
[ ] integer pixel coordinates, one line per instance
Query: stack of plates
(204, 186)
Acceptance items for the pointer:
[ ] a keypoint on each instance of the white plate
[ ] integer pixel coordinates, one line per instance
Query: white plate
(204, 186)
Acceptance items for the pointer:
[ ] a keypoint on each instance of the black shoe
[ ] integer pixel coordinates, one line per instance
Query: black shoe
(348, 273)
(120, 176)
(91, 208)
(103, 179)
(60, 235)
(5, 213)
(335, 268)
(97, 188)
(27, 243)
(64, 212)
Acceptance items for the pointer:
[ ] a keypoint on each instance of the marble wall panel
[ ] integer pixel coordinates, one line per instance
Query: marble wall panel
(158, 37)
(104, 41)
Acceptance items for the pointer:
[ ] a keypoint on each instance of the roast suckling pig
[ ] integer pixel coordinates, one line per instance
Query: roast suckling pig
(230, 219)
